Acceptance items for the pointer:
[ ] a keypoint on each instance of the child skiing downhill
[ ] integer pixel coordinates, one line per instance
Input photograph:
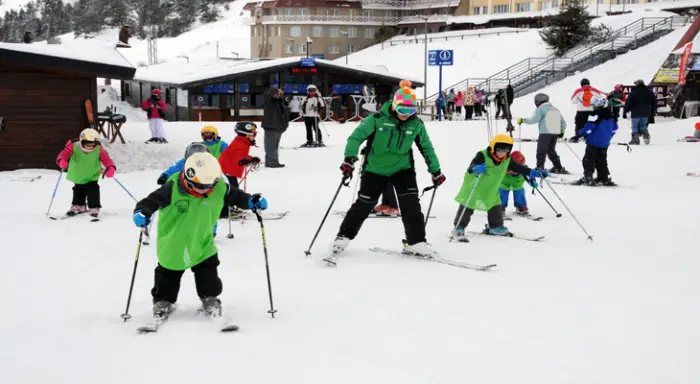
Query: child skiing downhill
(82, 158)
(390, 135)
(480, 187)
(513, 181)
(155, 111)
(552, 127)
(189, 204)
(598, 131)
(210, 138)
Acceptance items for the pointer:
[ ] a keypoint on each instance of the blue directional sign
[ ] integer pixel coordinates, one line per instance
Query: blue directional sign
(441, 57)
(307, 62)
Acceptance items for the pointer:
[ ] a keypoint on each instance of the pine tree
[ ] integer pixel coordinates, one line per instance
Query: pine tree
(209, 11)
(88, 17)
(183, 14)
(570, 27)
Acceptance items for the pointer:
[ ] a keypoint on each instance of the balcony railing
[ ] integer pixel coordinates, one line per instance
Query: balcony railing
(409, 4)
(313, 19)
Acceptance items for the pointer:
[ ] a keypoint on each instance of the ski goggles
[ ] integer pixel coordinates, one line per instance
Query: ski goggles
(404, 110)
(208, 136)
(89, 144)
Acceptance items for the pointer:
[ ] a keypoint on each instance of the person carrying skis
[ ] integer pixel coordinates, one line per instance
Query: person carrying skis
(237, 156)
(210, 138)
(552, 126)
(311, 105)
(582, 99)
(598, 131)
(82, 159)
(390, 135)
(189, 204)
(479, 190)
(514, 181)
(617, 100)
(155, 111)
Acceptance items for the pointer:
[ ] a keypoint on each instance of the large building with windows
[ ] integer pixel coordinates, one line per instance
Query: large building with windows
(334, 28)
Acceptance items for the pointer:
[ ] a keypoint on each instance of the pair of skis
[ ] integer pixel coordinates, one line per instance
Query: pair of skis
(93, 219)
(154, 325)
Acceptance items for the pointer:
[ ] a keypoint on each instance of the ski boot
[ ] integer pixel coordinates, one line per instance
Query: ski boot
(498, 231)
(75, 210)
(211, 306)
(635, 139)
(522, 211)
(162, 141)
(163, 309)
(319, 144)
(586, 180)
(382, 210)
(460, 235)
(422, 249)
(647, 138)
(94, 212)
(308, 144)
(607, 182)
(338, 247)
(558, 171)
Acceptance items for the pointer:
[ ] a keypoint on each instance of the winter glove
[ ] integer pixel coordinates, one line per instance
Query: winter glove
(479, 169)
(162, 179)
(561, 135)
(347, 167)
(438, 178)
(574, 139)
(252, 160)
(140, 219)
(534, 174)
(255, 160)
(624, 115)
(109, 172)
(520, 120)
(63, 164)
(257, 202)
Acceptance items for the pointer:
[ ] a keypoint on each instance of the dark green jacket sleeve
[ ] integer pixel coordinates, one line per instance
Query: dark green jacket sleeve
(425, 146)
(359, 135)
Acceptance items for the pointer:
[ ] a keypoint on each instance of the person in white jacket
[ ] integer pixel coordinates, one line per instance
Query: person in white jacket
(311, 107)
(582, 99)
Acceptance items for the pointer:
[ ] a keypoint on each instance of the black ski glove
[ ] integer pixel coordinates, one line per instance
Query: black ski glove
(347, 167)
(162, 179)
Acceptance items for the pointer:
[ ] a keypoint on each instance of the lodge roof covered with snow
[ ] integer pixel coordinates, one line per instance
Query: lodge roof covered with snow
(98, 61)
(200, 72)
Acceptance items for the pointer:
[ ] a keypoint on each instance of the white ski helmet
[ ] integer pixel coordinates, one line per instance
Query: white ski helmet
(311, 87)
(599, 101)
(202, 171)
(89, 135)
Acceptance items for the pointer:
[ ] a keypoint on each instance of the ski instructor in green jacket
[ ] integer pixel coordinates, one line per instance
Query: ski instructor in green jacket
(390, 135)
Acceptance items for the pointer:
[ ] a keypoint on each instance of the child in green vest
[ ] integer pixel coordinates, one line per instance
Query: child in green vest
(480, 187)
(514, 181)
(189, 204)
(210, 138)
(82, 159)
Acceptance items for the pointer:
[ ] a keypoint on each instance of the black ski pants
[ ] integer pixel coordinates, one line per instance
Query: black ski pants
(89, 191)
(371, 186)
(494, 215)
(596, 159)
(312, 128)
(233, 181)
(389, 196)
(547, 147)
(206, 279)
(580, 120)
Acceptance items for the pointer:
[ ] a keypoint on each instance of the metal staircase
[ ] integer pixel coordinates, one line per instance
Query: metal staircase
(535, 73)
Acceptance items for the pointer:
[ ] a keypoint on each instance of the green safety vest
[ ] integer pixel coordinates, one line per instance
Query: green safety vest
(215, 149)
(185, 227)
(84, 167)
(513, 183)
(486, 194)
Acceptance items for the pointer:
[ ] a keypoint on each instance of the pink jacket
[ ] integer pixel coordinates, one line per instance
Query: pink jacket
(67, 152)
(459, 101)
(154, 109)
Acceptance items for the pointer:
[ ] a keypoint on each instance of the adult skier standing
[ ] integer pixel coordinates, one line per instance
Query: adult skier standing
(311, 106)
(641, 104)
(155, 111)
(552, 126)
(390, 135)
(189, 205)
(582, 99)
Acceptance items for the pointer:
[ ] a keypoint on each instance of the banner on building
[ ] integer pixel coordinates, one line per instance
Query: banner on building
(670, 70)
(685, 58)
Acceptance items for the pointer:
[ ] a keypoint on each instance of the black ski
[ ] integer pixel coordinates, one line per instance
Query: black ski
(154, 325)
(567, 182)
(436, 259)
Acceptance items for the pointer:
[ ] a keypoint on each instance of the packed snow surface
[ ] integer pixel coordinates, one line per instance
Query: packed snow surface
(567, 310)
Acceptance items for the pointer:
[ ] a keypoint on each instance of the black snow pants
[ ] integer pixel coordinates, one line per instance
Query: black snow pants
(580, 121)
(494, 215)
(312, 128)
(596, 159)
(389, 196)
(547, 147)
(233, 181)
(371, 186)
(206, 278)
(89, 190)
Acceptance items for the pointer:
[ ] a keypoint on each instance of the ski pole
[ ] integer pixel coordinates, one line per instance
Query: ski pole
(461, 215)
(520, 137)
(125, 190)
(272, 310)
(55, 189)
(322, 125)
(345, 181)
(126, 316)
(430, 206)
(546, 200)
(357, 182)
(230, 234)
(567, 208)
(572, 151)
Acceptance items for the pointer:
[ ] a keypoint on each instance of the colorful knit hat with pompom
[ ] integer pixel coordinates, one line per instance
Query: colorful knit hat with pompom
(404, 97)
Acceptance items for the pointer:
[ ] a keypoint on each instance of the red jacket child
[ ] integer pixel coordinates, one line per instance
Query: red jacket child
(236, 156)
(154, 106)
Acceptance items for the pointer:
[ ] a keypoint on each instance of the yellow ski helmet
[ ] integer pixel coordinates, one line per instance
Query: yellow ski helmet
(210, 129)
(501, 141)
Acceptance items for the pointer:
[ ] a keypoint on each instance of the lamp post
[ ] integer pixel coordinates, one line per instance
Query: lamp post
(347, 46)
(425, 60)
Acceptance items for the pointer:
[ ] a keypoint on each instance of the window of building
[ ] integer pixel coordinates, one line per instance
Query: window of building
(555, 3)
(370, 33)
(168, 98)
(352, 49)
(352, 32)
(295, 31)
(276, 31)
(333, 49)
(289, 48)
(333, 12)
(301, 48)
(289, 11)
(303, 11)
(208, 100)
(317, 31)
(334, 32)
(522, 7)
(501, 8)
(392, 14)
(127, 89)
(368, 13)
(413, 31)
